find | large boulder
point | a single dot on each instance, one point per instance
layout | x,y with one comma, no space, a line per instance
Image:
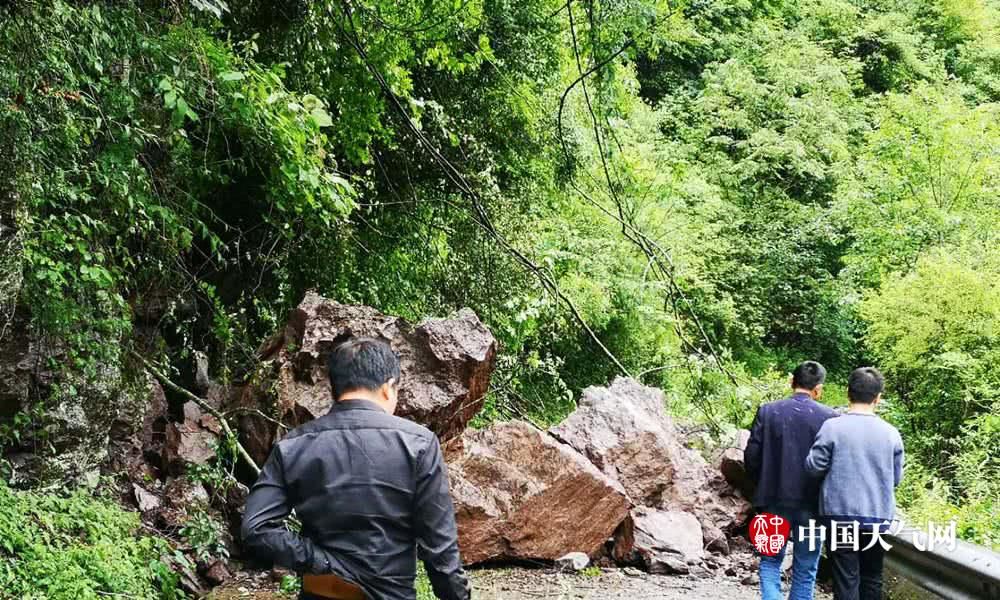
662,541
625,431
520,494
446,368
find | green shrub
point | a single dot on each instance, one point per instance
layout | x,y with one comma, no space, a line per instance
205,536
424,589
76,547
933,332
924,497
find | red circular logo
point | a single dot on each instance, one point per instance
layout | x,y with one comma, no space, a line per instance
769,533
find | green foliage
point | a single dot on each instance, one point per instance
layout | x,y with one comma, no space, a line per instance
134,124
54,547
927,176
204,534
290,585
925,497
713,190
424,589
934,332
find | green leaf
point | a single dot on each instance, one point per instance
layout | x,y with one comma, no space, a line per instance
232,76
321,117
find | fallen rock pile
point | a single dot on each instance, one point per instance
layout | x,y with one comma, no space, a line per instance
514,501
614,482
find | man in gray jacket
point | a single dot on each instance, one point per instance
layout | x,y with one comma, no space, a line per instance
860,458
370,489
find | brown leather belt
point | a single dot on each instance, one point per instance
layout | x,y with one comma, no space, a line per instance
331,586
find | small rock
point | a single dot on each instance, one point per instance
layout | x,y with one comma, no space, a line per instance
188,579
181,492
731,571
201,378
633,572
715,540
147,501
667,563
218,573
700,571
572,562
751,579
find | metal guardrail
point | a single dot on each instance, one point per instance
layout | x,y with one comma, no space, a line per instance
969,572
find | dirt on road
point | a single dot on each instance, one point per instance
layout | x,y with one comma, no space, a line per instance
535,584
611,584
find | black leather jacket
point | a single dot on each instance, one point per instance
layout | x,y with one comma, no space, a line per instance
371,492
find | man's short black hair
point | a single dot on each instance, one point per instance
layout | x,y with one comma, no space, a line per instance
808,375
864,385
361,363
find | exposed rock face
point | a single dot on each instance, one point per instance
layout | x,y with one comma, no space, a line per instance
520,494
78,412
663,541
446,368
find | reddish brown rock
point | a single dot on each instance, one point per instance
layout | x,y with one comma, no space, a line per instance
446,367
191,441
218,573
520,494
138,435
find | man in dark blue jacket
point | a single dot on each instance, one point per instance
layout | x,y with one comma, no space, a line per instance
780,438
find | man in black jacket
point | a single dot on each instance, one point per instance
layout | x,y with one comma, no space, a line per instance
370,490
780,438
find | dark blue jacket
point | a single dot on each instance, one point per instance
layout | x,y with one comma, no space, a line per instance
780,438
